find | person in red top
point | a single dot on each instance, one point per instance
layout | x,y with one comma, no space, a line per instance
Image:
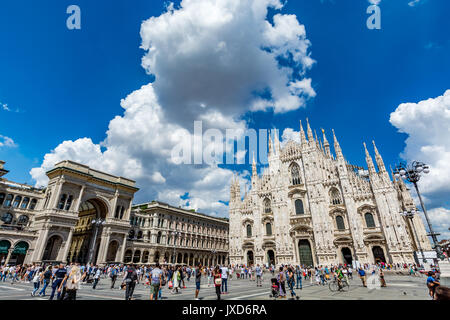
217,280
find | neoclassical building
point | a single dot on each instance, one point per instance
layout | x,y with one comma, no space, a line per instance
166,234
311,207
55,224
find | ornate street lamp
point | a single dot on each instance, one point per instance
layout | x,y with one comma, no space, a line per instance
412,173
97,223
175,234
410,215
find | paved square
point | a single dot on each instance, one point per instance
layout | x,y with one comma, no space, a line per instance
399,287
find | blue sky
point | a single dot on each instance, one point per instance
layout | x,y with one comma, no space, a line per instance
62,85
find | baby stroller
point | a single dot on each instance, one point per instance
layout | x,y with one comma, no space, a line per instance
275,288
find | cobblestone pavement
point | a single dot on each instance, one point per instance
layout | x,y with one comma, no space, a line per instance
399,287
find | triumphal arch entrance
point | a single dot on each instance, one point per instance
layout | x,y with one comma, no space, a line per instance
84,216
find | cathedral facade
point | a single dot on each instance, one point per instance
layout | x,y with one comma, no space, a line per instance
310,207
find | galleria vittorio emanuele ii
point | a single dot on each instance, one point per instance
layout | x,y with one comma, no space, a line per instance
312,207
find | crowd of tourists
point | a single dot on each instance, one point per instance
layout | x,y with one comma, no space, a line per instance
62,281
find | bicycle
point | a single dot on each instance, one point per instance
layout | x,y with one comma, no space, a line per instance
334,285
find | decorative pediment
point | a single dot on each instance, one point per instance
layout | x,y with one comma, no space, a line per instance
337,210
247,221
366,207
374,238
248,244
269,244
301,228
340,240
296,190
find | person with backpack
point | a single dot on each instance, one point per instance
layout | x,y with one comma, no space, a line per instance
129,280
97,273
156,282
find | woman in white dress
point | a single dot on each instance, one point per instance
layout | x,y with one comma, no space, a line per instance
72,283
176,280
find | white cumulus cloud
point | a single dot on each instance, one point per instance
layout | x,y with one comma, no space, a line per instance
211,60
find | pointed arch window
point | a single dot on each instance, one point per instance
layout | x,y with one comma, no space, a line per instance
267,206
370,222
340,223
335,196
249,231
295,174
299,209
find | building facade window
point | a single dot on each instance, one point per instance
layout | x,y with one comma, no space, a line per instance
8,201
295,174
299,207
7,218
335,196
267,206
249,231
17,201
340,223
33,204
62,201
268,229
2,198
25,202
370,222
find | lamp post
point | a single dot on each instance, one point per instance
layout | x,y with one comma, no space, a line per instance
412,173
410,215
175,234
97,223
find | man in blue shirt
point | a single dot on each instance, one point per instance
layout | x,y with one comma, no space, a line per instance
58,277
362,276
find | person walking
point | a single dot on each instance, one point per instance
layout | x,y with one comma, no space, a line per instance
362,276
129,280
176,280
258,272
36,281
156,276
291,282
71,284
224,273
382,280
282,282
46,277
97,274
198,278
217,280
58,277
113,275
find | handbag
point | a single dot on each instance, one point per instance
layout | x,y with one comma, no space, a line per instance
170,284
218,281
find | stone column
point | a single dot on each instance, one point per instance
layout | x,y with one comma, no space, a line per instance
122,251
67,246
103,249
10,251
40,245
80,196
